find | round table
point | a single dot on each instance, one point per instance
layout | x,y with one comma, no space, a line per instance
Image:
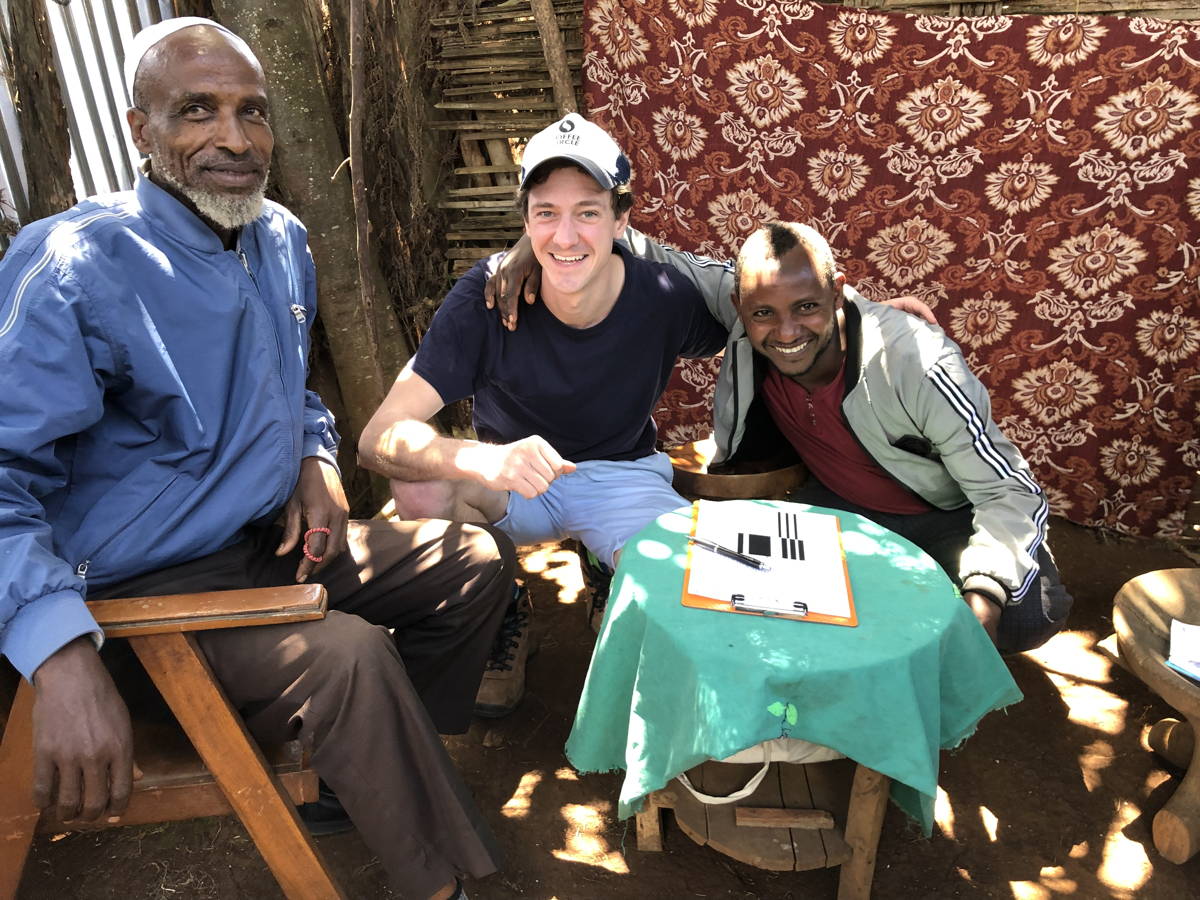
670,686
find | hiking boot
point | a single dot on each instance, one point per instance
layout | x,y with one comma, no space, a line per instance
503,683
597,577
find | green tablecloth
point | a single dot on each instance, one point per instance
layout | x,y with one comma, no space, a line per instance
671,686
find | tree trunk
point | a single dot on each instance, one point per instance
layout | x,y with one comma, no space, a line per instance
41,116
307,154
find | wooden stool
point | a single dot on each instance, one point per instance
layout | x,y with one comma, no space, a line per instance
788,824
1142,614
767,480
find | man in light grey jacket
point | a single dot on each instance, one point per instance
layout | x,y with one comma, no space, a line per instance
891,423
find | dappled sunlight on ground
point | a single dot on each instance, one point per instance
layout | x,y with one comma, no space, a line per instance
584,839
989,820
517,806
1074,653
1096,757
1052,882
1081,675
943,813
1083,678
559,567
1125,867
1088,697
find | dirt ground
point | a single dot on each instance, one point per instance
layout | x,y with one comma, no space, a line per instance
1053,797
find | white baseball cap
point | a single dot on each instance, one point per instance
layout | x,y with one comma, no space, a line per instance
575,138
152,34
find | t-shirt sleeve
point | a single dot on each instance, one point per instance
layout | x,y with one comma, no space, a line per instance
713,278
705,336
451,352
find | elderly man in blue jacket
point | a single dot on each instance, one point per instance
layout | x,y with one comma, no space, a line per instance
154,424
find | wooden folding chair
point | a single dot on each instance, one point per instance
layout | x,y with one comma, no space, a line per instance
235,775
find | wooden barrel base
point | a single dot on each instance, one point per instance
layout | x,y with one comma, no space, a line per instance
800,789
770,479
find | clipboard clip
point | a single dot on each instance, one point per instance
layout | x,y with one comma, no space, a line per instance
739,602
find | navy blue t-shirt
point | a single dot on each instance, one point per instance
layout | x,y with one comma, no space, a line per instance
588,391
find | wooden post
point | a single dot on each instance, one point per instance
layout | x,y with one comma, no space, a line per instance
358,183
649,825
556,56
864,821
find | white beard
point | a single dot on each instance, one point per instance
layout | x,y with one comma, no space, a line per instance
229,211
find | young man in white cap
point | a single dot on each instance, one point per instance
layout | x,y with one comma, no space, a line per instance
566,445
155,425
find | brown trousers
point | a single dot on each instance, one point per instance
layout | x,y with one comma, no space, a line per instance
372,703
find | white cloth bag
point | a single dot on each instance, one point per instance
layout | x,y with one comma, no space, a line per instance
782,749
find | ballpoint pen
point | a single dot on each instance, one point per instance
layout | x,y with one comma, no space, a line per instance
745,560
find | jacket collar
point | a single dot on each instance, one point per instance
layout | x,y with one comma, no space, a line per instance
853,344
169,215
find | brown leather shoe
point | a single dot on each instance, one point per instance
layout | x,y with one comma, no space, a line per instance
503,683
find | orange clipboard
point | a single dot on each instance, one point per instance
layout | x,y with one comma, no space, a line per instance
698,602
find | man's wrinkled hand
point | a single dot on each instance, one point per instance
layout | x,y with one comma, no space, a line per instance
986,610
914,307
527,466
518,274
317,502
82,740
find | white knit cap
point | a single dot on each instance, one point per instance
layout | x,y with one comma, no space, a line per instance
152,34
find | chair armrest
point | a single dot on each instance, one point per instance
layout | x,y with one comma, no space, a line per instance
128,617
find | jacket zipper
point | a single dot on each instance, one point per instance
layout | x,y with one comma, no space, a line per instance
736,405
241,255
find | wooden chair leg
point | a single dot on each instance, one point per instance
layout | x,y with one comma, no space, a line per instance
186,681
18,815
649,825
864,821
1176,827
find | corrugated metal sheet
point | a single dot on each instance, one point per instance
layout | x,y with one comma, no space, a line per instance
89,37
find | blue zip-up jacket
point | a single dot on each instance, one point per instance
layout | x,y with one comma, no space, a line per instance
152,402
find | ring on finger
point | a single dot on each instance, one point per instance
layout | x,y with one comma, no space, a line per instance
308,554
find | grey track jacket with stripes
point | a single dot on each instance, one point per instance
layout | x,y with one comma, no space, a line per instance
904,378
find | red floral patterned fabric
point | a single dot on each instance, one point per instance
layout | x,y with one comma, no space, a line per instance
1034,179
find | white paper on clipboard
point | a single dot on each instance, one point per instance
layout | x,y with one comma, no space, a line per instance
803,549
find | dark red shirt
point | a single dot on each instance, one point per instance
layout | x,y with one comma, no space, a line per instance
813,423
